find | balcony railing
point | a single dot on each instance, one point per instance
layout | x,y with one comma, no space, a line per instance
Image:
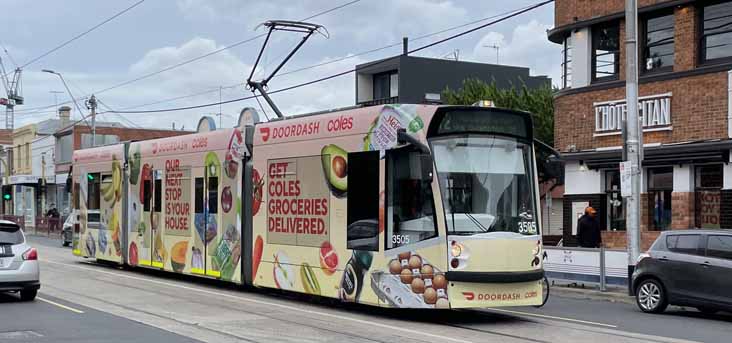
382,101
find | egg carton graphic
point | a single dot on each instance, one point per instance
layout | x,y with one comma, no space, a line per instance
390,288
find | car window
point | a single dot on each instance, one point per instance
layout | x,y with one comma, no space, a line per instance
720,247
10,234
683,244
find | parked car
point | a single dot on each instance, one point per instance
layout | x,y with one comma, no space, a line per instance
67,231
686,268
19,271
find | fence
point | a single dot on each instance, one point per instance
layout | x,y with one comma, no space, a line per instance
599,266
48,226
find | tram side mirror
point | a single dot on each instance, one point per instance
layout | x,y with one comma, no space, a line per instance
425,157
68,184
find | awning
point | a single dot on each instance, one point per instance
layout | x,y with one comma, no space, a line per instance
663,154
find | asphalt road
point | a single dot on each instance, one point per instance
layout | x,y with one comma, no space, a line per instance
210,311
49,319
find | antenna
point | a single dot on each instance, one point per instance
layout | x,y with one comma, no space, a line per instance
281,25
496,47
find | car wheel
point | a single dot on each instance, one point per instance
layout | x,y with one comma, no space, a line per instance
707,310
28,294
66,244
650,296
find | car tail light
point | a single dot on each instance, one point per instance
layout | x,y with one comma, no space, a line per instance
642,256
30,255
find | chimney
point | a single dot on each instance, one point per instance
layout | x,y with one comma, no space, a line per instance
405,46
64,113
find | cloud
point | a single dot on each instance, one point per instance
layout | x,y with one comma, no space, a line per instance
528,46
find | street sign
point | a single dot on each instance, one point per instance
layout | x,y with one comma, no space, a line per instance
625,172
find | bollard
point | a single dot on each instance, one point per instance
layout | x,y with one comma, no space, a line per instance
603,287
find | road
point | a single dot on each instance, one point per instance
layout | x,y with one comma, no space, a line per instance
174,308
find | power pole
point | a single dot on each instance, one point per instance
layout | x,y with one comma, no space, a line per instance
634,134
92,105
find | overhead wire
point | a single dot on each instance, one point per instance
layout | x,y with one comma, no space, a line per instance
82,34
493,22
366,52
177,65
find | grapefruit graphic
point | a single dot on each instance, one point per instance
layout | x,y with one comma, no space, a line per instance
328,258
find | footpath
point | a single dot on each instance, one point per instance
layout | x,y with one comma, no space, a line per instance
591,291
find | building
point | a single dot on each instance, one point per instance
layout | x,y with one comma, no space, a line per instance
410,79
685,78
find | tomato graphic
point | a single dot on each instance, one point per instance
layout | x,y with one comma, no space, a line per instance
258,184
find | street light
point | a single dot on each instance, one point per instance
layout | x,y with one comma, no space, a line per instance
67,90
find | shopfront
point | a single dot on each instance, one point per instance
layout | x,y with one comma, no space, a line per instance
685,82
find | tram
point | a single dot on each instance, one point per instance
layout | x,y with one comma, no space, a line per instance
410,206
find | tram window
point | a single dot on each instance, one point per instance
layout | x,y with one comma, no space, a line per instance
93,192
410,212
147,195
363,201
199,195
158,203
213,194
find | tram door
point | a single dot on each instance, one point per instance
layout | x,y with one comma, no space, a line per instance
211,211
155,206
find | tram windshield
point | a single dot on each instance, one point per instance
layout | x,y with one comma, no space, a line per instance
487,184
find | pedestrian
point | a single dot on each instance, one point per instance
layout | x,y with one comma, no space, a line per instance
588,229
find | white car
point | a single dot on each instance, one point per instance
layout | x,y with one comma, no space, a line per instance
19,271
72,220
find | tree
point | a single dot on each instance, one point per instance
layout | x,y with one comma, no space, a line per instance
538,101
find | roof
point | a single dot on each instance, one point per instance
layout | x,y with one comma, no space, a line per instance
6,136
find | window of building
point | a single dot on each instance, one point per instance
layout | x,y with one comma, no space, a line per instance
658,44
567,62
64,149
605,52
363,200
27,156
386,85
410,210
86,140
683,244
716,35
615,202
719,247
660,187
708,195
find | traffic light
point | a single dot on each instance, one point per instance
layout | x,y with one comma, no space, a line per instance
90,176
8,193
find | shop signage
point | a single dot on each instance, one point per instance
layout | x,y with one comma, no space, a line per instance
23,179
654,112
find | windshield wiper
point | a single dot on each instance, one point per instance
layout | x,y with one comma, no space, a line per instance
477,222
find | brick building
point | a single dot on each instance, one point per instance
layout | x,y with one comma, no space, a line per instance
685,86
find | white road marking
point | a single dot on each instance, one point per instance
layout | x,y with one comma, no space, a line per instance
552,317
60,305
267,303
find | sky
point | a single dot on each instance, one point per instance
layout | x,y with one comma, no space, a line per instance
158,34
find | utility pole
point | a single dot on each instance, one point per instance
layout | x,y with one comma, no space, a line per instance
92,105
634,134
42,189
220,113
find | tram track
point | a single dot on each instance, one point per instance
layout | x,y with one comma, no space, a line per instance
227,305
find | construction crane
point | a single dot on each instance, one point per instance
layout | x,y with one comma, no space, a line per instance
14,91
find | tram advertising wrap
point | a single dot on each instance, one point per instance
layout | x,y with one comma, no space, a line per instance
394,206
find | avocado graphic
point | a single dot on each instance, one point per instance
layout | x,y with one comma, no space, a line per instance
135,166
335,168
213,164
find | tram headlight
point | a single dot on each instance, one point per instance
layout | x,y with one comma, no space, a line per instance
456,249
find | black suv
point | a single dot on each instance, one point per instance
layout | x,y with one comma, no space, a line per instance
686,268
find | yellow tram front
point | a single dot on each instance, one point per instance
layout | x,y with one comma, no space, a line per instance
484,193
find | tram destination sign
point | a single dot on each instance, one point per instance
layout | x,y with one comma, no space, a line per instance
654,112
